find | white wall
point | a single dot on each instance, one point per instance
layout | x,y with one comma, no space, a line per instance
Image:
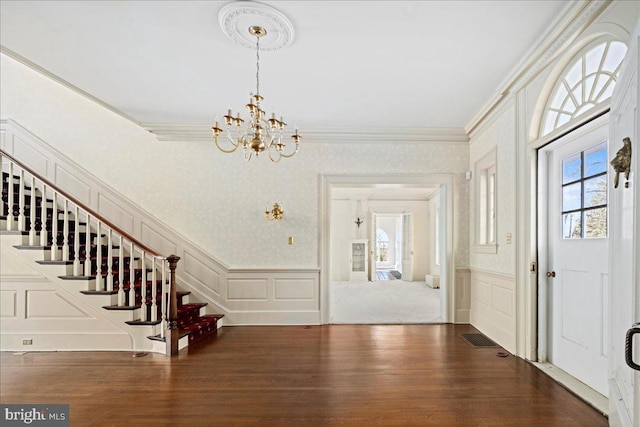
214,199
213,203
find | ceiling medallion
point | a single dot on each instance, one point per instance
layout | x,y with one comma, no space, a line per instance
236,17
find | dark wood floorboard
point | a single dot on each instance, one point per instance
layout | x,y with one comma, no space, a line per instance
352,375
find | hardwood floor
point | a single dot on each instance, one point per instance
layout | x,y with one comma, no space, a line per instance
355,375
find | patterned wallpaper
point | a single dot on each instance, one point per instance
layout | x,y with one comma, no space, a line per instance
217,200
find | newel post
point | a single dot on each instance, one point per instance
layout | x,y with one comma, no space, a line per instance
173,334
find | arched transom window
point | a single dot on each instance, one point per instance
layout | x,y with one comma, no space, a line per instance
586,82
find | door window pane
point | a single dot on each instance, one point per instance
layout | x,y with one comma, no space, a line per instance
571,167
571,197
595,160
595,223
584,193
572,225
595,191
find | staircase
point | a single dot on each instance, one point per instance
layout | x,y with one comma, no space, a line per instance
85,251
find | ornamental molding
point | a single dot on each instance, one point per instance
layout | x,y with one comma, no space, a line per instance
236,18
202,133
571,23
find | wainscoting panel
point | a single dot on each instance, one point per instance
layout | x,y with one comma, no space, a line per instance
113,212
295,289
247,290
463,295
47,304
201,272
8,304
493,306
37,161
156,240
70,183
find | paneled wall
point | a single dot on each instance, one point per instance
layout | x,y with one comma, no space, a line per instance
245,296
493,306
37,314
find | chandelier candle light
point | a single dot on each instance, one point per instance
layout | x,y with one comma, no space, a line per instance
260,134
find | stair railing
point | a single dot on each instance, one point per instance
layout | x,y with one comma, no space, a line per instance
121,248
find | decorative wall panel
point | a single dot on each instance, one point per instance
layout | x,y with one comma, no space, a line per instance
72,184
295,289
8,304
48,304
246,289
156,240
113,212
201,272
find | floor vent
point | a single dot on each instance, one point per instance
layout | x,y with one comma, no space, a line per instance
479,340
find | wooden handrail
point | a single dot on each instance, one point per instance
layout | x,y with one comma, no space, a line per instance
87,209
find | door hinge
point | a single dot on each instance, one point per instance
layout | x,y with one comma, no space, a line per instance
533,267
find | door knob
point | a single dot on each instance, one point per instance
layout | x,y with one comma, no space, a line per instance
551,274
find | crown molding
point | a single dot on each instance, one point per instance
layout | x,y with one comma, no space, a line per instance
573,20
383,135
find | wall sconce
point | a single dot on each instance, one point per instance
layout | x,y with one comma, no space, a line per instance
274,214
359,221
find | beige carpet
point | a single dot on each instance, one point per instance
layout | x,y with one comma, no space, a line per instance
393,301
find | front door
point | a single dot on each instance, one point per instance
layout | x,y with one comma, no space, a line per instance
577,270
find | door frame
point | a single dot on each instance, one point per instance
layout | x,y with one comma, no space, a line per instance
446,184
542,226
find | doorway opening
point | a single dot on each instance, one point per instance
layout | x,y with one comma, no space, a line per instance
396,228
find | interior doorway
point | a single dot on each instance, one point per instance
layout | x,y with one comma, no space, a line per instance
395,201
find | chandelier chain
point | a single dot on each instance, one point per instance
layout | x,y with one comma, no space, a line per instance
257,65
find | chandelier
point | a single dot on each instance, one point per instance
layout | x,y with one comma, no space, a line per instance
260,134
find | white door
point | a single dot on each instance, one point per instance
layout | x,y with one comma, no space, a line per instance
371,236
577,277
407,247
624,256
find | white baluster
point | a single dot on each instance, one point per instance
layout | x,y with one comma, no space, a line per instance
10,201
132,277
65,231
54,228
99,286
165,299
43,217
87,247
21,201
32,213
143,286
109,260
120,274
154,291
76,242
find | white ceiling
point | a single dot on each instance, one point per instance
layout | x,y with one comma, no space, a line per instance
352,65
